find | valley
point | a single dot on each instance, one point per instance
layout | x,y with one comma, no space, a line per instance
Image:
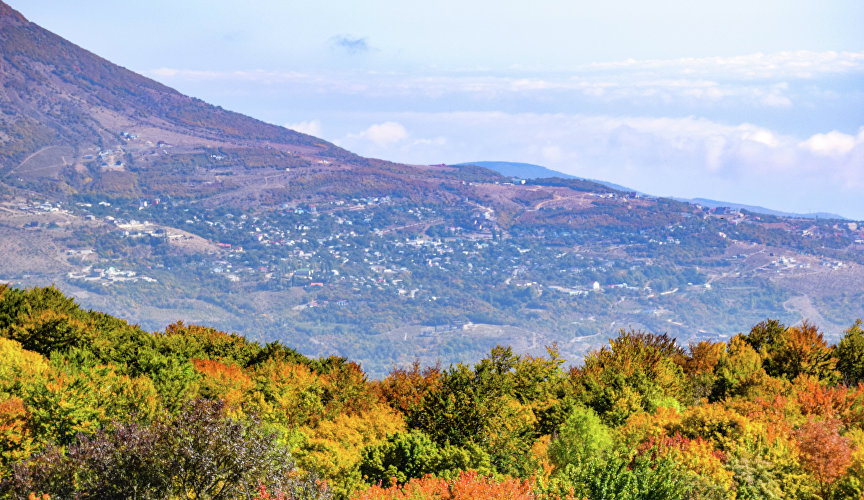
388,280
157,207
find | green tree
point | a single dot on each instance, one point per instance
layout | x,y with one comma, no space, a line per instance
637,372
791,351
850,354
581,437
413,455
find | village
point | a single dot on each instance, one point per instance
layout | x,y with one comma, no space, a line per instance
357,249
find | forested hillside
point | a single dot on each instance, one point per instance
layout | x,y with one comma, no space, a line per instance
93,407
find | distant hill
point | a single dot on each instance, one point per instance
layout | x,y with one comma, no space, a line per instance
62,105
705,202
523,170
531,171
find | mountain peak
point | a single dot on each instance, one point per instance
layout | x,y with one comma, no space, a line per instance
9,14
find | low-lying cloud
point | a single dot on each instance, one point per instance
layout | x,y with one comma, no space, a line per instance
781,130
312,127
660,155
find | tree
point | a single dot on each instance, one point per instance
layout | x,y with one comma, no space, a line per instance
789,352
699,366
850,354
403,389
408,455
637,372
824,452
622,476
738,372
581,437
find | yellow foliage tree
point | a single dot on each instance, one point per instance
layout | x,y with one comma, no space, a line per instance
334,447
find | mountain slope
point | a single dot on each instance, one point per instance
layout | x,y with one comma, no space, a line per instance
60,103
523,170
531,171
759,210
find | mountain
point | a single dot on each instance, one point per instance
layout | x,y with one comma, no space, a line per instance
759,210
531,171
155,206
522,170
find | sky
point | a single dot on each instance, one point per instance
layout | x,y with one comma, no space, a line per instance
749,102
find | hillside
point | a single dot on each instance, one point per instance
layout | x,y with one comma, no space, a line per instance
143,202
93,407
531,171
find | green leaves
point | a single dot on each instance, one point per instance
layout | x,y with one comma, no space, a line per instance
582,437
413,455
850,354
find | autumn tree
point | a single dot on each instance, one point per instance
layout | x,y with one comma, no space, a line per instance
824,452
582,437
637,372
791,351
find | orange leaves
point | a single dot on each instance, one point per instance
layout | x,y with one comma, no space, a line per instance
722,426
644,426
803,350
841,402
403,389
824,452
16,441
467,486
226,382
703,357
788,352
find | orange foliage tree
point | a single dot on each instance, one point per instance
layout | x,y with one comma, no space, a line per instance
467,486
824,452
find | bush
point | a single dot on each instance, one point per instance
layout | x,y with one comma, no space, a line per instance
201,453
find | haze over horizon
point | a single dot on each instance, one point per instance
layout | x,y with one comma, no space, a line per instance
749,103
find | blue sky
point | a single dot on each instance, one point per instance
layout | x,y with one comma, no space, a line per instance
751,102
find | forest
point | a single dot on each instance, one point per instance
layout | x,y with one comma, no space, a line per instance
94,407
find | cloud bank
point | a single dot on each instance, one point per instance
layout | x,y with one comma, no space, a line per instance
742,163
783,130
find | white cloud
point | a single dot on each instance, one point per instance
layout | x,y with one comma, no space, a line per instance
779,65
796,92
666,156
246,76
833,143
601,120
312,127
759,79
436,141
383,134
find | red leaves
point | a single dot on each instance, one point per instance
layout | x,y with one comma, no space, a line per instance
824,452
403,389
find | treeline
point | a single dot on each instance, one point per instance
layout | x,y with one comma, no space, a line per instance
92,407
